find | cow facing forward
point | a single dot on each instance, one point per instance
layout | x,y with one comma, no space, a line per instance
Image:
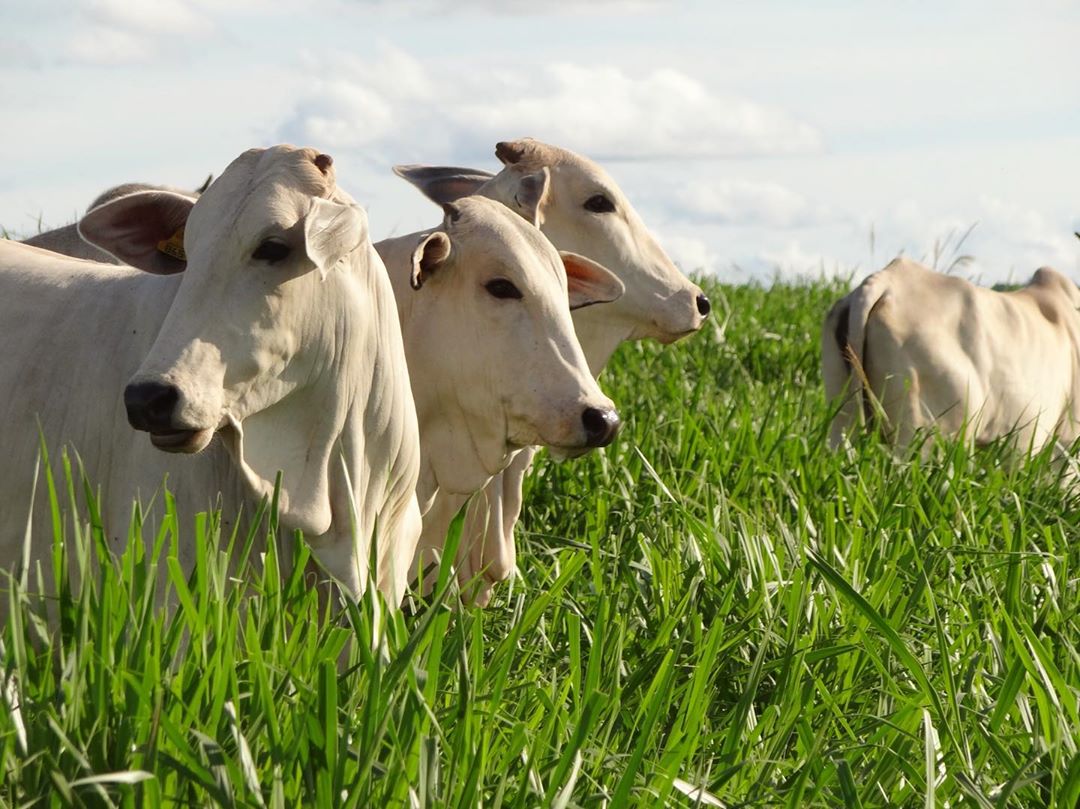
938,351
492,353
258,336
583,210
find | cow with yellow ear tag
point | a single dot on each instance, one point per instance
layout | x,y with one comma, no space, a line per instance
266,345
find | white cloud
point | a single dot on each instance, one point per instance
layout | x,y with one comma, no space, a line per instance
792,262
690,253
120,32
518,7
742,202
147,16
989,241
604,111
993,240
745,261
17,52
101,45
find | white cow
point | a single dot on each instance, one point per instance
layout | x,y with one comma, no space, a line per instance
66,240
939,351
583,211
275,349
492,353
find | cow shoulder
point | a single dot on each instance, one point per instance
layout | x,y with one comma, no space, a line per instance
1056,296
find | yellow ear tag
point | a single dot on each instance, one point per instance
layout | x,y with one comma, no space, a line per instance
174,245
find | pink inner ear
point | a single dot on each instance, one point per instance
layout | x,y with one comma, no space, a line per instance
578,274
133,228
588,283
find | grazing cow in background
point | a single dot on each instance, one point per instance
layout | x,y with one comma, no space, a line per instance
492,354
583,210
258,336
66,240
938,351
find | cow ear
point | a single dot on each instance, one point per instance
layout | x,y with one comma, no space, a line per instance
531,194
432,251
442,184
144,229
589,282
332,230
512,151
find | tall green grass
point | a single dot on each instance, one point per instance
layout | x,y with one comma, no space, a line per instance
713,611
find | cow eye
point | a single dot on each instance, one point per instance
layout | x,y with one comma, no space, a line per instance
501,288
272,251
599,204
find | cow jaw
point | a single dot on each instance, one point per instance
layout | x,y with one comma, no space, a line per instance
186,442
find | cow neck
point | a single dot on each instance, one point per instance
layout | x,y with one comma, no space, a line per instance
599,337
371,487
456,457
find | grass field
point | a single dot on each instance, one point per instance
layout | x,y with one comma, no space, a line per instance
715,611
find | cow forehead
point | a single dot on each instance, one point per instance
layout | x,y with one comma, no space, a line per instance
577,167
569,168
492,231
260,186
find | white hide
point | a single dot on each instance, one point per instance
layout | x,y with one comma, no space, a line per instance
490,374
659,301
293,366
938,351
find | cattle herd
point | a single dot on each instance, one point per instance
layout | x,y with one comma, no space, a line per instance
249,338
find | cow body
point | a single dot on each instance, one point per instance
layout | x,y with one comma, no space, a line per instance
291,364
76,332
67,241
583,211
938,351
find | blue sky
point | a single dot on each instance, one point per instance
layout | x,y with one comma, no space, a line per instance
755,138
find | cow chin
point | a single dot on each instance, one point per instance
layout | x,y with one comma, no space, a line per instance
186,442
667,337
561,454
558,450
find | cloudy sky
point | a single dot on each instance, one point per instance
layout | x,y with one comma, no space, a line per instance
755,138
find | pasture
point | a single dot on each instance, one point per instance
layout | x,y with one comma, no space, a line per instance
713,611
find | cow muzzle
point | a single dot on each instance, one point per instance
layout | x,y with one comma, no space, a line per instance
601,426
151,407
680,316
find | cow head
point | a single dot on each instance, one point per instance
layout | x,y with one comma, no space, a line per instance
585,211
491,346
275,326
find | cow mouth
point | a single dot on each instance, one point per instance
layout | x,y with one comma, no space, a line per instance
669,337
181,441
558,451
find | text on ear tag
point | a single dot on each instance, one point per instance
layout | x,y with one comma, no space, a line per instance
174,245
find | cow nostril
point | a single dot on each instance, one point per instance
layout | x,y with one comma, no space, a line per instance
150,405
600,426
703,305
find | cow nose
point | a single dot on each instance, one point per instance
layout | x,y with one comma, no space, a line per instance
703,305
600,426
150,405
